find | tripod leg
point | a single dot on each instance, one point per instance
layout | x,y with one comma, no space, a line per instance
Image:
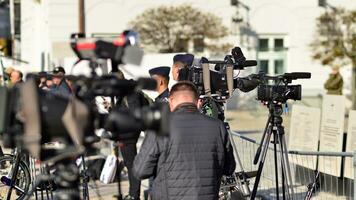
276,162
239,163
262,161
284,181
259,149
85,179
287,165
118,171
235,149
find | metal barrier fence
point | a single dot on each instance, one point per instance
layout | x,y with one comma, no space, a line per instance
303,168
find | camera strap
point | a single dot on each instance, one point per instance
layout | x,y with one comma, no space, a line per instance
206,79
230,78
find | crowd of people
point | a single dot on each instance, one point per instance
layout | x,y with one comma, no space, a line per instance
187,164
53,81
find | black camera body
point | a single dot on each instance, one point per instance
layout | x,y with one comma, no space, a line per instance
218,82
218,79
279,93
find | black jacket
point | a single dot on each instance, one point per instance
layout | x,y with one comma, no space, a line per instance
62,89
132,102
190,162
163,97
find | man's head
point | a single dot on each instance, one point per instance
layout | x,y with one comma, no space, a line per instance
43,77
58,74
9,70
335,69
180,61
161,75
49,81
182,92
16,76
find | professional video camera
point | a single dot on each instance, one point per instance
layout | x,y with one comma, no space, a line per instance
280,91
122,49
219,82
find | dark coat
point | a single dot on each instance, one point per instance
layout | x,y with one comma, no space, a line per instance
334,84
188,164
133,102
163,97
62,89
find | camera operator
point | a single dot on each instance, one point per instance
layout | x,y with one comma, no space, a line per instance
181,61
190,162
128,146
61,86
161,75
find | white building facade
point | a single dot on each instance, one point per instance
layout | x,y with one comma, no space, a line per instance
276,32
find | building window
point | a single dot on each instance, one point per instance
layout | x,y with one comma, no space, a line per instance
272,53
263,44
278,44
198,44
263,66
278,66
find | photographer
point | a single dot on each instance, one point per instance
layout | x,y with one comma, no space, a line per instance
128,146
190,162
61,86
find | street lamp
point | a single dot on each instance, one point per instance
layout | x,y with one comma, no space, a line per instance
325,4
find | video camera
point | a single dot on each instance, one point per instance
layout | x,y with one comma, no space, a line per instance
219,82
122,49
280,91
31,117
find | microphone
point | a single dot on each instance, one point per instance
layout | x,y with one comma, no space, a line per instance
247,63
246,84
297,75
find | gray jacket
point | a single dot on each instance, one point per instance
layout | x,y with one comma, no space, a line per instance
190,162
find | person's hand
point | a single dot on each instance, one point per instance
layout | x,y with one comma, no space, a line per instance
200,103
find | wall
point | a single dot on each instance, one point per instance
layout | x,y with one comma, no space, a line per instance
294,18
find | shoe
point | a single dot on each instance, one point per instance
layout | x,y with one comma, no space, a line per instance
129,197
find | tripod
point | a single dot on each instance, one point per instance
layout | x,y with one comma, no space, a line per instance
312,186
275,129
238,179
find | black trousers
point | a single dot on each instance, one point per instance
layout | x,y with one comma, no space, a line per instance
129,151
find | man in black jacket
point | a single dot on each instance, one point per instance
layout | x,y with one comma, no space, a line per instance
60,85
128,148
190,162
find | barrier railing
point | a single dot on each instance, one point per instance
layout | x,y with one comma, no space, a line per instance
304,168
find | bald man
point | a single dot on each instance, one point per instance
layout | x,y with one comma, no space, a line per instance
190,162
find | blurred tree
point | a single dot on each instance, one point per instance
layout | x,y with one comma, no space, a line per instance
335,41
169,29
